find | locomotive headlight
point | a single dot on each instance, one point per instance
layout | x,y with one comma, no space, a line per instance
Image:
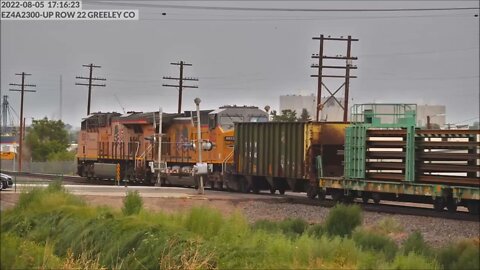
207,146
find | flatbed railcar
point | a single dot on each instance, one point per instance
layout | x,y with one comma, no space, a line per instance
387,157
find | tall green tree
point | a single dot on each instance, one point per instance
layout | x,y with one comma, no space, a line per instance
305,116
48,140
286,116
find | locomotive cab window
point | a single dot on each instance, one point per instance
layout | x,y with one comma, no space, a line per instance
258,119
227,122
212,121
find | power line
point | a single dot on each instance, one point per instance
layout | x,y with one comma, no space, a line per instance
126,3
468,120
298,19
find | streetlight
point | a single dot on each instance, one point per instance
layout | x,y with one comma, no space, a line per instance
199,147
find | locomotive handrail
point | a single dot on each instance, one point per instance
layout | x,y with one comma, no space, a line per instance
224,162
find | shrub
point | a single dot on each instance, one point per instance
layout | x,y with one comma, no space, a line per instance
293,226
461,255
389,225
132,203
412,261
375,242
415,243
266,225
371,261
316,230
343,219
204,221
56,186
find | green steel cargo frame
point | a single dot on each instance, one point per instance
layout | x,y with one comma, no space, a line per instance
403,116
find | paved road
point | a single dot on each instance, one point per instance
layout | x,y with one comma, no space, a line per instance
147,191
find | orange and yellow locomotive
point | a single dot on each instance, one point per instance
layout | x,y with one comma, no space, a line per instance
116,146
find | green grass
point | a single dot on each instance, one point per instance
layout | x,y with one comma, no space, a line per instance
60,230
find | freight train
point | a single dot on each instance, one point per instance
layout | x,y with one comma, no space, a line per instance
380,154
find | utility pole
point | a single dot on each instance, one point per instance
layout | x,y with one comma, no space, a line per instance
160,120
61,98
90,83
22,91
199,147
180,80
4,113
321,67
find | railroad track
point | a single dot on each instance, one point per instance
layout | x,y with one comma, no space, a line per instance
293,199
391,209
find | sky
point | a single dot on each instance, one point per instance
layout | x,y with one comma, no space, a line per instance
245,53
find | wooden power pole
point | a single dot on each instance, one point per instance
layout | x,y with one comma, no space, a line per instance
22,91
90,83
180,85
321,66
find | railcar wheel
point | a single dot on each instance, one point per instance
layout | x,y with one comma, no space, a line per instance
365,198
272,191
473,208
337,195
376,198
244,187
451,205
348,199
321,195
1,185
439,204
281,191
311,191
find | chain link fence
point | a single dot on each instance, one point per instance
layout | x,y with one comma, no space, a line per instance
50,167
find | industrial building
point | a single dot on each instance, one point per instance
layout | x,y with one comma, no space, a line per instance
330,112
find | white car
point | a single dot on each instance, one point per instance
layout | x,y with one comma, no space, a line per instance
6,181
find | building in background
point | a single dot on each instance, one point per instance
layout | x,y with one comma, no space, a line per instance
437,114
331,111
297,103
